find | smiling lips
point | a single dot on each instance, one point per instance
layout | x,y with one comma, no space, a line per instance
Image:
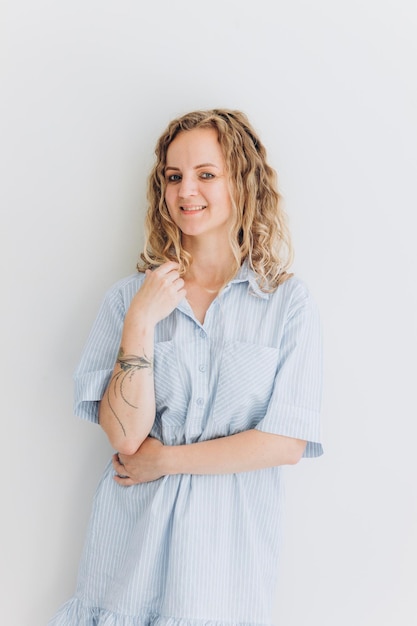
192,208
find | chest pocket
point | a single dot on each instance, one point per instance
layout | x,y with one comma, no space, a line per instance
245,384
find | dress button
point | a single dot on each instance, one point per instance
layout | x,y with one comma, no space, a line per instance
202,334
202,368
200,401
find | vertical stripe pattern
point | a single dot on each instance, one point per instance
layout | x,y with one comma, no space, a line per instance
189,549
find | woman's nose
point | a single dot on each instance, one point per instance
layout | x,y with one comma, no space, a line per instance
188,186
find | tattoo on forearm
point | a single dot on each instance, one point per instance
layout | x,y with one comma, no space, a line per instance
129,365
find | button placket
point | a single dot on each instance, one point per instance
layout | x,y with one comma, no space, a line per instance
199,397
201,387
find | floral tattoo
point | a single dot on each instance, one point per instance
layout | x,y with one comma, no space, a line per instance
129,365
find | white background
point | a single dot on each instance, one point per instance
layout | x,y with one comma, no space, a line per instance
87,87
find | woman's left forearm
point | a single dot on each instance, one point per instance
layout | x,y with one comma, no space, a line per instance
243,452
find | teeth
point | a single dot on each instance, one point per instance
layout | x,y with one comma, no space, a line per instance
193,208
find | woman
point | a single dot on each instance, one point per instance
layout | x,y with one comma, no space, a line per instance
204,370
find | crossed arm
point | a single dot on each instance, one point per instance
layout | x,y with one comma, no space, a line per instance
127,409
242,452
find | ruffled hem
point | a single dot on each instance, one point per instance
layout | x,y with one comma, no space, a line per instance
74,613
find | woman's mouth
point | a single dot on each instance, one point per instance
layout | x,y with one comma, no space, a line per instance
189,209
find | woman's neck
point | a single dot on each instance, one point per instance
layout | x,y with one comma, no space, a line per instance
212,262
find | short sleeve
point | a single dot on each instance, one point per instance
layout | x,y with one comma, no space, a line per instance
295,403
99,355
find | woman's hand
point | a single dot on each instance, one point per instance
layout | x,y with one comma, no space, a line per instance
142,467
160,293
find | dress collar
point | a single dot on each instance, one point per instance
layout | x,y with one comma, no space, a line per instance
246,274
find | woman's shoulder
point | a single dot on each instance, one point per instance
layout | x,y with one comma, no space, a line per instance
294,286
124,288
291,286
131,280
291,292
298,296
295,292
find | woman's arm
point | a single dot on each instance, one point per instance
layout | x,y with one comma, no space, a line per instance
243,452
127,409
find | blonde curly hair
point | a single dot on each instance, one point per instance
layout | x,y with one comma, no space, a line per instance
260,233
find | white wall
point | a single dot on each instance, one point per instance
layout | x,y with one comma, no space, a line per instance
87,86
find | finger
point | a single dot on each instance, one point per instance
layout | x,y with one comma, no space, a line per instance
171,278
167,267
118,467
179,283
124,482
165,277
118,457
121,473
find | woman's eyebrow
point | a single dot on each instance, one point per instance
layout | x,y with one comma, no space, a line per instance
196,167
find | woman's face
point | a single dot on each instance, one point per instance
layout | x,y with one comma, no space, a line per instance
197,192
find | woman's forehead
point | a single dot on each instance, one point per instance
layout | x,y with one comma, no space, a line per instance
196,147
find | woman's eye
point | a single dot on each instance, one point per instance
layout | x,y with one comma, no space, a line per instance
174,178
207,175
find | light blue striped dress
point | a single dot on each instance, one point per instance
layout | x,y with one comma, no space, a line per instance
187,550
